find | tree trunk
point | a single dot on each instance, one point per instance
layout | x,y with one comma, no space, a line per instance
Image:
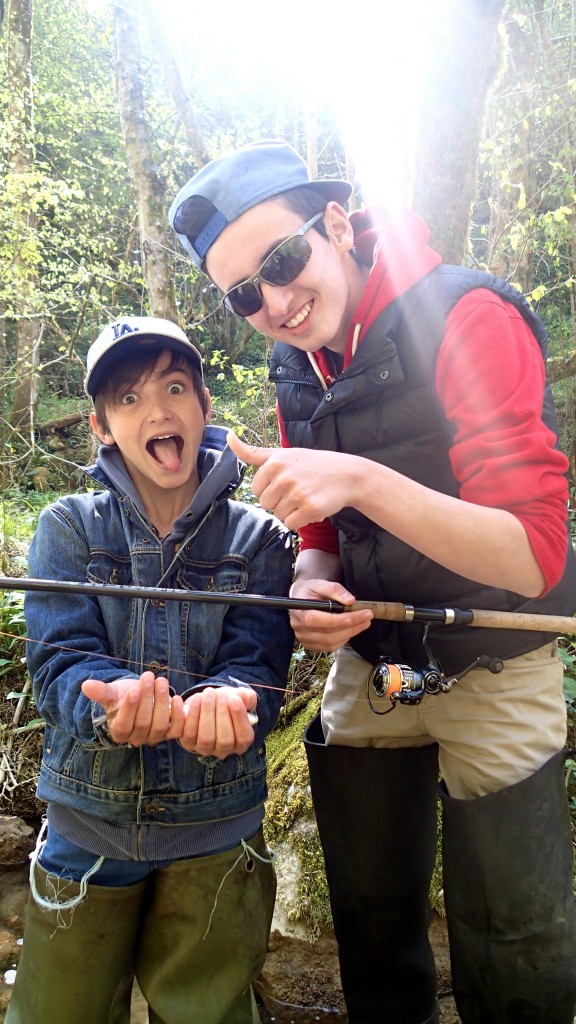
165,47
514,186
150,194
311,138
20,170
463,55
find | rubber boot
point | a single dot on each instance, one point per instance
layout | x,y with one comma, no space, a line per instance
77,966
376,811
509,902
205,936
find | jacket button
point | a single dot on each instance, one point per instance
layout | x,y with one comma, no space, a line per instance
385,374
279,370
329,396
157,668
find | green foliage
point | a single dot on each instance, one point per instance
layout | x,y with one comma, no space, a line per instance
18,518
524,220
12,632
243,398
20,727
79,190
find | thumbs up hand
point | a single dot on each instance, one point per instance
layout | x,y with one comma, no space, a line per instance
299,485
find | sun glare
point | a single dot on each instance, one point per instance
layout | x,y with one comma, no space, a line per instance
361,61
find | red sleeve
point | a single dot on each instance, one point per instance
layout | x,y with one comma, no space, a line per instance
320,536
490,378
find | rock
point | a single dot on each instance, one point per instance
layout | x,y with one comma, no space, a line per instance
17,840
41,479
9,949
287,866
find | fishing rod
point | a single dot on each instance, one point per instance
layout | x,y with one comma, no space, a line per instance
392,611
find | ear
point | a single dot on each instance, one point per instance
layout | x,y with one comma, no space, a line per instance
102,436
208,413
338,227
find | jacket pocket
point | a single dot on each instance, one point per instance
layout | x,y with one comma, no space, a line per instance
119,614
202,623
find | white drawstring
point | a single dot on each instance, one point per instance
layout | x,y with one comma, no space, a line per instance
355,337
249,853
55,904
317,370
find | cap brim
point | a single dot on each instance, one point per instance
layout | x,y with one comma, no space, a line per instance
333,189
133,346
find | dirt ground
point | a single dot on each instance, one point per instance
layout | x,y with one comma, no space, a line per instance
300,981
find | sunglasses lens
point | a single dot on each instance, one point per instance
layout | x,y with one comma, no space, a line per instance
289,260
245,300
281,268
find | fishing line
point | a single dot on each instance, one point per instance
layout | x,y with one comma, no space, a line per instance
130,661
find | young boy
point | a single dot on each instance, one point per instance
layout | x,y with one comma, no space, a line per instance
420,465
153,864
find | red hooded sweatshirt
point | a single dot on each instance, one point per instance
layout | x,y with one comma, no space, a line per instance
489,378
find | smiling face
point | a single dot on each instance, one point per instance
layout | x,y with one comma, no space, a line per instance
156,418
316,309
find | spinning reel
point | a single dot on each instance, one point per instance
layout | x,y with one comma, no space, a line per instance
401,684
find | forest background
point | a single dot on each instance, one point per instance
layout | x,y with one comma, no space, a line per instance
464,109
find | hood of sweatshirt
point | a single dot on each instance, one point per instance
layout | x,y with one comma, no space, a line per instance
397,250
219,469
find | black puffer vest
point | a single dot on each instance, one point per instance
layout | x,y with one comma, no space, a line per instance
384,407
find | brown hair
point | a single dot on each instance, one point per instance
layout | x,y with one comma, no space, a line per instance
307,202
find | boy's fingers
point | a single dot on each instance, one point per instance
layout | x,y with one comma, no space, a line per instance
192,710
224,738
145,708
248,697
101,693
243,722
249,453
177,718
121,723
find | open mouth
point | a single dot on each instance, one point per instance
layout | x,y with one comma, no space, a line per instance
166,449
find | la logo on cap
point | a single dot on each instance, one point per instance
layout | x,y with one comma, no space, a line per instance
120,329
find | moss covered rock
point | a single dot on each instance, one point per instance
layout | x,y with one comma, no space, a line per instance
302,905
302,902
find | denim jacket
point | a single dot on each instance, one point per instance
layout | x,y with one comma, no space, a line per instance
103,537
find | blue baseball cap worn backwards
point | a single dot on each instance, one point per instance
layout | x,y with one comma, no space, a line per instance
225,188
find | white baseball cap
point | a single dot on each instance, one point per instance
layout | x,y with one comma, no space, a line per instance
129,335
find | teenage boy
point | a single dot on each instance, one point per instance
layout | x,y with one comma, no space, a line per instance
153,864
420,465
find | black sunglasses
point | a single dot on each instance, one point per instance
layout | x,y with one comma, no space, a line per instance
281,267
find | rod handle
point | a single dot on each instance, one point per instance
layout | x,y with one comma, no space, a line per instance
392,611
485,618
